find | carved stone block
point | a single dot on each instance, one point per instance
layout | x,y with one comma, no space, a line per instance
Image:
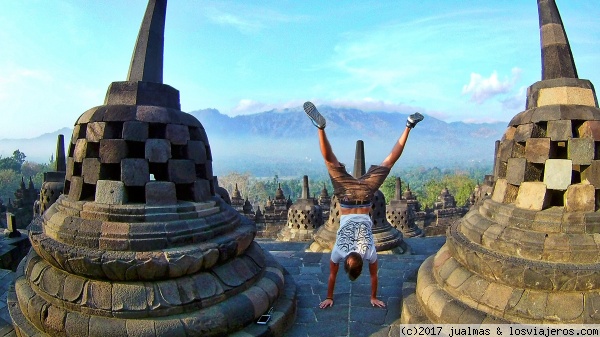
557,174
181,171
90,170
110,192
505,150
196,150
112,151
75,189
559,130
80,150
526,131
160,193
202,190
590,129
591,174
134,172
95,131
135,131
532,195
158,150
580,198
537,150
581,150
177,134
504,192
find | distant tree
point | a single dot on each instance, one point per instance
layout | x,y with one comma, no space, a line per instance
9,183
13,163
230,180
388,188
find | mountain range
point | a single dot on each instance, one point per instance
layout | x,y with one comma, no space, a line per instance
285,143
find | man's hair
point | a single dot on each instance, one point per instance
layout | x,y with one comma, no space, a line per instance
353,265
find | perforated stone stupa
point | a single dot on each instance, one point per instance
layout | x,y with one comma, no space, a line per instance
138,244
304,217
530,253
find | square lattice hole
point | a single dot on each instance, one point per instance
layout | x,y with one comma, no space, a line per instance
556,197
195,133
157,130
561,150
92,150
160,171
201,171
178,151
135,149
88,192
110,172
77,169
114,130
185,192
135,194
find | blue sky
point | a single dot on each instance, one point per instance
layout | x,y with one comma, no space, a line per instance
454,60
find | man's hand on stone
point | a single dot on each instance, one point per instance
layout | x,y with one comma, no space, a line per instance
377,303
327,303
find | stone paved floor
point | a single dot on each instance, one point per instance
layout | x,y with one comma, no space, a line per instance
351,315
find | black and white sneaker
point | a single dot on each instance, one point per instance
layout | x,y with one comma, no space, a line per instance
315,116
413,119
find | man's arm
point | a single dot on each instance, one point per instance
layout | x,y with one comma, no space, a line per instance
333,269
373,272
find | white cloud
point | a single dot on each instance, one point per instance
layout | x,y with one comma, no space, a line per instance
482,89
515,102
248,106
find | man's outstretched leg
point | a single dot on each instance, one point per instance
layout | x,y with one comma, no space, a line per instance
391,159
319,121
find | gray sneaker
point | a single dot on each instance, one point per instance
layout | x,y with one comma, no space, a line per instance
315,117
413,119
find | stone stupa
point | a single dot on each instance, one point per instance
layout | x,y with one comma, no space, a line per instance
139,244
304,217
531,252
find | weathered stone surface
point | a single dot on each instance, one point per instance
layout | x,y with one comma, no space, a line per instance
135,131
196,150
590,129
532,196
557,174
567,96
80,150
177,134
90,170
515,172
161,193
134,172
537,150
112,151
158,150
591,174
580,198
181,171
505,150
202,190
559,130
75,188
96,131
110,192
526,131
504,192
581,151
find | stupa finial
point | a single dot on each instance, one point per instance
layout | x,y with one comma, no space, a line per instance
147,59
557,58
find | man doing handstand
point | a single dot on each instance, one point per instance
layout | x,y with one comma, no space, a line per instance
354,240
